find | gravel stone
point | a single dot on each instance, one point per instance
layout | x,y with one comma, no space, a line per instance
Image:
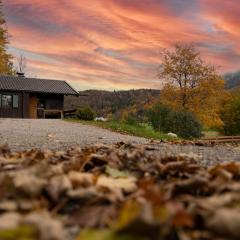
55,134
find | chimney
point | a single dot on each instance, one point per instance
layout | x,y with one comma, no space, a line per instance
20,74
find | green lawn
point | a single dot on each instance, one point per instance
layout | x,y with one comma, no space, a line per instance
140,130
211,132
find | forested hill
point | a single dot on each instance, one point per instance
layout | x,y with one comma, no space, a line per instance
232,80
105,102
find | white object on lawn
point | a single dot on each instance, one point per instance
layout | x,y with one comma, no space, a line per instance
101,119
172,135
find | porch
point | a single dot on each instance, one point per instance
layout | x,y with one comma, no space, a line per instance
46,106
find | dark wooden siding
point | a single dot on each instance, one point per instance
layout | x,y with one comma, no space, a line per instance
12,112
27,108
25,103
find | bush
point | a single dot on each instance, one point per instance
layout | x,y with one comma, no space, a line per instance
85,114
133,116
165,120
159,116
130,119
185,125
231,115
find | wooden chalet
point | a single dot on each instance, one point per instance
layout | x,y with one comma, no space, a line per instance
22,97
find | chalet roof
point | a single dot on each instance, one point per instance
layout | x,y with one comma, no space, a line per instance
22,84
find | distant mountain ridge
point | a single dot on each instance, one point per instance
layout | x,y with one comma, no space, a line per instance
106,102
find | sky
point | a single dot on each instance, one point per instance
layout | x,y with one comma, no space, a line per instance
116,44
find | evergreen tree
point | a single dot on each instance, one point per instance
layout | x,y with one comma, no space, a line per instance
6,65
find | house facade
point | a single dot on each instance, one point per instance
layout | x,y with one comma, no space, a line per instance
22,97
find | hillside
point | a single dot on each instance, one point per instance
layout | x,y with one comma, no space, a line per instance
232,80
106,102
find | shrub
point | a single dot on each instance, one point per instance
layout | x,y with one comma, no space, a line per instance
165,120
159,116
133,116
185,125
231,115
85,114
130,119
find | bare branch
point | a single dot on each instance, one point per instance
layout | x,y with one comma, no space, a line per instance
21,64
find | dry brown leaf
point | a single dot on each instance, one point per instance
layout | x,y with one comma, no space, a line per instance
172,197
49,228
28,184
58,185
9,220
81,179
225,223
182,219
83,193
194,186
128,185
93,216
215,202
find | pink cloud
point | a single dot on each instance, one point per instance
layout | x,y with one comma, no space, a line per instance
116,43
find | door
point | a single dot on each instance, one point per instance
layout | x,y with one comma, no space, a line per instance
33,106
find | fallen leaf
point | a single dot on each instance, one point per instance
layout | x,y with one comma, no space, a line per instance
128,185
83,193
105,235
93,216
115,173
49,228
81,179
21,232
28,184
225,222
9,220
58,185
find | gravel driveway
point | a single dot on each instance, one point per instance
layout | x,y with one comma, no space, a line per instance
23,134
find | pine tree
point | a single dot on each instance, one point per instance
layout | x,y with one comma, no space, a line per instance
6,65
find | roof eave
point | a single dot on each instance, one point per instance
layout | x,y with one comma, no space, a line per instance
40,92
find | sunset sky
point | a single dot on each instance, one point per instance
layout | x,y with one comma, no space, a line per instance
115,44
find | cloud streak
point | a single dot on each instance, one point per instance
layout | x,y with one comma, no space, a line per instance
115,44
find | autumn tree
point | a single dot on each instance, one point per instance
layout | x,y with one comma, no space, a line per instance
191,84
231,114
6,65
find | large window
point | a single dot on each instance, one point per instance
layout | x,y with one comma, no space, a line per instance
6,101
9,101
15,101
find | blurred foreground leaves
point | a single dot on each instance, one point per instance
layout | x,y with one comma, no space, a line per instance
119,192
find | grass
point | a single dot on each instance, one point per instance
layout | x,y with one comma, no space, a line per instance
208,132
139,130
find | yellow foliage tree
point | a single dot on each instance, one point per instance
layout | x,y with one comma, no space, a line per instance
192,85
6,65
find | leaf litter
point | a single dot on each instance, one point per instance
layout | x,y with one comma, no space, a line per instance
118,192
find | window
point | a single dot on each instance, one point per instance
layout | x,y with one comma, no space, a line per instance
6,101
15,101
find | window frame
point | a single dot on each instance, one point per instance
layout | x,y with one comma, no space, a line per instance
10,106
15,100
16,105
